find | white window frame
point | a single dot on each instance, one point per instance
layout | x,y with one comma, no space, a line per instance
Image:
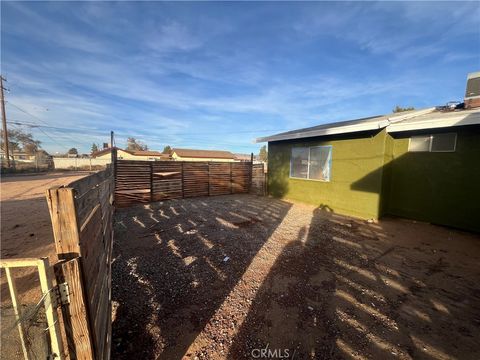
308,162
431,142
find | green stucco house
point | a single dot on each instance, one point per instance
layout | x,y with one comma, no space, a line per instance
422,164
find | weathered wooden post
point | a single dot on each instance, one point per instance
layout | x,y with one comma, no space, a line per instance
231,179
151,182
251,173
66,232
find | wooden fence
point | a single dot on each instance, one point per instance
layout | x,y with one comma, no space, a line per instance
82,220
146,181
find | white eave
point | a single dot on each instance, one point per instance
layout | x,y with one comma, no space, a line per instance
437,121
366,125
322,132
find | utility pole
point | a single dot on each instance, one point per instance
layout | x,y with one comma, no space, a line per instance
113,150
4,122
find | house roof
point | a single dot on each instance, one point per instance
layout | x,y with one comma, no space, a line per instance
132,152
146,153
15,152
104,151
245,157
211,154
429,118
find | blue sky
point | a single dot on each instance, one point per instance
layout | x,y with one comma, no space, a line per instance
216,75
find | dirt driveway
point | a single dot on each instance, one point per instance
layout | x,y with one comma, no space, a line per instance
26,228
225,277
26,231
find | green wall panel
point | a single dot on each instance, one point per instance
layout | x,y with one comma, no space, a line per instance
373,174
356,174
438,187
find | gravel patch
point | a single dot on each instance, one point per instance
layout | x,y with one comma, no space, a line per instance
224,277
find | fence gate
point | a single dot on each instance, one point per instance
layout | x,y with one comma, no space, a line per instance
82,218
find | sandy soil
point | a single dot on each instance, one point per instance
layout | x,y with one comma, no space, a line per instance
26,231
224,277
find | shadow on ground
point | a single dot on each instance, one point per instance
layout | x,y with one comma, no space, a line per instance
174,264
225,277
347,290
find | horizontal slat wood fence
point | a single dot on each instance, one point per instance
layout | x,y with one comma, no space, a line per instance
82,219
145,181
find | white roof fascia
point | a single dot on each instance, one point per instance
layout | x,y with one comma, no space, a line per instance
329,131
460,120
371,125
397,118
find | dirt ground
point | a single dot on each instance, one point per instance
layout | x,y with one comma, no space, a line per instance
225,277
25,221
26,231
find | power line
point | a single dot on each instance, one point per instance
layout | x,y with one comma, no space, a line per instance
126,134
37,125
15,125
189,139
26,112
196,133
55,141
192,136
193,139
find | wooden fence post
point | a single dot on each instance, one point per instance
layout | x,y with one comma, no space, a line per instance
61,204
151,181
114,162
77,326
208,164
251,174
265,181
183,182
231,179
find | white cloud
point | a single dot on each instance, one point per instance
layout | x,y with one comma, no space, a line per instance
166,79
172,36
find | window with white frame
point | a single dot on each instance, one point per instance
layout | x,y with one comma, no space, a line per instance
433,143
312,163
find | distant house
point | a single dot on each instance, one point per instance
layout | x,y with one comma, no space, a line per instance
243,157
248,157
421,164
202,155
20,156
131,155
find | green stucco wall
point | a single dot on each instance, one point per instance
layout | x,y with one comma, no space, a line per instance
356,174
438,187
373,174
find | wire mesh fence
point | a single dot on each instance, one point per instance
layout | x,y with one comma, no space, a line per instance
28,311
32,320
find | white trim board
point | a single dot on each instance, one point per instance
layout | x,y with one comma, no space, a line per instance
460,120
